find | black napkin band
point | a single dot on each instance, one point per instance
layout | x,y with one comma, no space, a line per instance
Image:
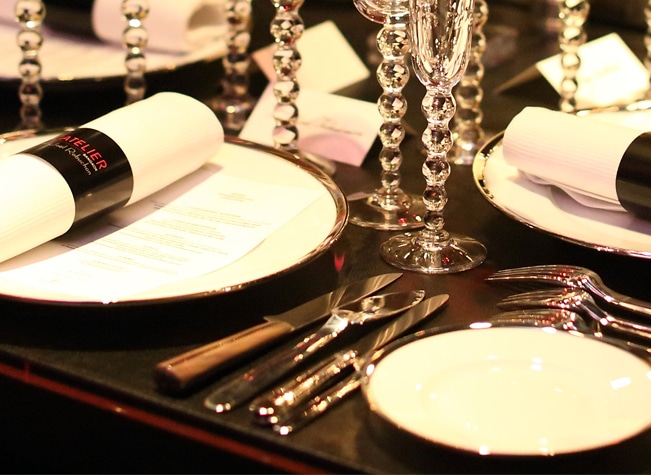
71,16
633,181
95,168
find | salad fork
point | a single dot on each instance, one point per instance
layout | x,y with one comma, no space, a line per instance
576,277
578,301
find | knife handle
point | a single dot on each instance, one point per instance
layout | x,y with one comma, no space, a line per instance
273,405
302,415
185,371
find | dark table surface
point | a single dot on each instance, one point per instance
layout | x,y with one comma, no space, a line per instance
76,386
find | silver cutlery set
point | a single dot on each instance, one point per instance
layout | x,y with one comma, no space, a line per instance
283,395
291,403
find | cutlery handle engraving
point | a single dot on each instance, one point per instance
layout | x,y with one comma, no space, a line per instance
271,406
300,416
257,379
186,371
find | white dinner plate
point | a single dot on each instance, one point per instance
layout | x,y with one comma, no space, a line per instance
522,391
72,58
551,210
303,238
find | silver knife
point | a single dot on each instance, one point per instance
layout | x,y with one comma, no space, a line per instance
246,386
188,370
289,406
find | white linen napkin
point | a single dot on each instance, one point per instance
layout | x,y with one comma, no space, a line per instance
161,139
175,26
581,155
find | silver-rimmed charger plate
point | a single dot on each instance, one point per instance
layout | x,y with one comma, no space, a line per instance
551,210
302,239
510,390
69,58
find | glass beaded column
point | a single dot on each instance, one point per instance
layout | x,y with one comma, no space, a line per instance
647,41
134,38
30,14
234,104
286,27
573,14
468,133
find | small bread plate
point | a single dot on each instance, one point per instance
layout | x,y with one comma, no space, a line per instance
549,209
510,390
300,239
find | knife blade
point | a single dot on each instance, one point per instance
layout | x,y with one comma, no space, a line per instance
276,405
188,370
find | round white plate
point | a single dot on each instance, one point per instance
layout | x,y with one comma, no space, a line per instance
512,391
303,238
551,210
67,58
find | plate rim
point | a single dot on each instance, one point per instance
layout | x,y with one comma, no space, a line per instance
335,192
371,364
478,167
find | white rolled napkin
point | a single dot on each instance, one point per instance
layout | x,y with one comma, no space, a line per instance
107,163
600,164
175,26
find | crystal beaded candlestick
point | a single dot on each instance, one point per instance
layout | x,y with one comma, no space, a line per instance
468,133
30,15
573,14
441,32
234,103
389,207
135,39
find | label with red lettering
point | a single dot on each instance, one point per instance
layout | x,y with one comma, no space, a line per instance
95,168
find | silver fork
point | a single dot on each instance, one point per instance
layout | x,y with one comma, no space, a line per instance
578,301
563,275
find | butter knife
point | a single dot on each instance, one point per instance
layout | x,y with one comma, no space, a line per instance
188,370
276,405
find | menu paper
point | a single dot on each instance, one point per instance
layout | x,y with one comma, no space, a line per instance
202,223
162,138
598,163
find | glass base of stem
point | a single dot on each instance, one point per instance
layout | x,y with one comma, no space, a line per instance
417,252
388,211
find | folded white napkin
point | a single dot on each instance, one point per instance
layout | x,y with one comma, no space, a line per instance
597,161
175,26
109,162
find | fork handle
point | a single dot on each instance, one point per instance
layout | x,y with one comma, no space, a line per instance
621,301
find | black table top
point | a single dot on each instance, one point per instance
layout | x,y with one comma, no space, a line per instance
77,387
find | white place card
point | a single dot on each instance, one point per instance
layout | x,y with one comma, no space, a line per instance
329,63
610,73
330,126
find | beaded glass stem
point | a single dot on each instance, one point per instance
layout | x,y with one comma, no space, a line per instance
389,207
286,27
468,133
234,104
647,41
30,14
441,33
573,14
134,38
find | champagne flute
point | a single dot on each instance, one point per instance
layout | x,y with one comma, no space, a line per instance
441,32
389,207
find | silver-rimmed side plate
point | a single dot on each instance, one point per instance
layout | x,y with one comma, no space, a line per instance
306,236
551,210
69,59
510,391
